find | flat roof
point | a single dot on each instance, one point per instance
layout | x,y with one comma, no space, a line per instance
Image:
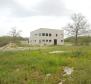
48,29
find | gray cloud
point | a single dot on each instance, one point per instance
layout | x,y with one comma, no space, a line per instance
21,12
5,3
51,7
44,8
15,9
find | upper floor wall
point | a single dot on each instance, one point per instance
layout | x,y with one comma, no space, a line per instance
48,33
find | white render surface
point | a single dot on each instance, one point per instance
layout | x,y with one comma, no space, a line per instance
45,36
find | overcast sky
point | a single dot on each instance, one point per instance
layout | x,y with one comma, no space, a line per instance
29,15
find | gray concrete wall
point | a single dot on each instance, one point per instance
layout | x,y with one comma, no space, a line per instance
36,39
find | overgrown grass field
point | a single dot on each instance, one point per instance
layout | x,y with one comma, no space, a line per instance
41,67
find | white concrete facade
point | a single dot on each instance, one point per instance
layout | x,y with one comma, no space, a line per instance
45,36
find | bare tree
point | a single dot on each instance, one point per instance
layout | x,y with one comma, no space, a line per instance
79,26
14,34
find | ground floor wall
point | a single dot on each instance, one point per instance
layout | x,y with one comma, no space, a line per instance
47,42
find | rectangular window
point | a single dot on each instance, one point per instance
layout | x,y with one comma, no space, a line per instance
46,34
49,40
56,35
43,34
50,34
46,40
61,40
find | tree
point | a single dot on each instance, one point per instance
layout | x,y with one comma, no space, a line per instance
14,34
79,26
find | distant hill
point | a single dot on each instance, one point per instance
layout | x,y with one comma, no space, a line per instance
4,40
81,40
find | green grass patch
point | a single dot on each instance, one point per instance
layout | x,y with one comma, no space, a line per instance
32,66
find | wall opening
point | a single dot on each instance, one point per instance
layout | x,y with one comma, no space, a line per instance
55,41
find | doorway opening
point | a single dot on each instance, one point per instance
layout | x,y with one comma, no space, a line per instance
55,41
